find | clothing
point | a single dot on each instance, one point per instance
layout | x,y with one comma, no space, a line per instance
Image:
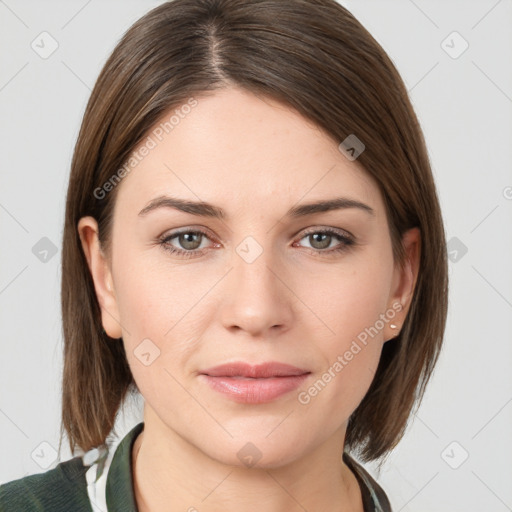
101,481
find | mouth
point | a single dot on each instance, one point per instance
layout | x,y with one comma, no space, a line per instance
252,384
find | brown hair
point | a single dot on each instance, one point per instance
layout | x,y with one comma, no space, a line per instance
314,56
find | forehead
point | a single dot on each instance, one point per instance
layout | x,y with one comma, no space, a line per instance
244,153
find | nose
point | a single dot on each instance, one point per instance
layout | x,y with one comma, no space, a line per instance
257,297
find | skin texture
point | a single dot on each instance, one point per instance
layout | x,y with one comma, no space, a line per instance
255,158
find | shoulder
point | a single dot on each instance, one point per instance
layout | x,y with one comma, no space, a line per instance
63,488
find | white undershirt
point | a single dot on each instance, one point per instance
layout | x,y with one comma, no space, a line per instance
96,487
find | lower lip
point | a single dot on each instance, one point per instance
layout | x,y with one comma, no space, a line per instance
254,391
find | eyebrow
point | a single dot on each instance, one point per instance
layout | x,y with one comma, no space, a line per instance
204,209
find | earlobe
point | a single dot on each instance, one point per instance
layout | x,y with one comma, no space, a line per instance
404,281
101,276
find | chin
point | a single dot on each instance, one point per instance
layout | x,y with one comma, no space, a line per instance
258,452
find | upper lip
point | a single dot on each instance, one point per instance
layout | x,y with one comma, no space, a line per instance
261,371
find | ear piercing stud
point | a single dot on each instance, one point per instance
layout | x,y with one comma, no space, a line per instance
393,326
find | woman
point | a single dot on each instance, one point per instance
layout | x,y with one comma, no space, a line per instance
252,241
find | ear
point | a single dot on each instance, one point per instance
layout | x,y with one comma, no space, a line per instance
404,282
101,275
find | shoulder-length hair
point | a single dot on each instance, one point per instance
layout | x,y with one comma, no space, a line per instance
315,57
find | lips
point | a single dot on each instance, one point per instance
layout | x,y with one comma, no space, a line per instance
260,371
254,384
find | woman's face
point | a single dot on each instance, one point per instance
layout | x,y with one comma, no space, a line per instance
261,284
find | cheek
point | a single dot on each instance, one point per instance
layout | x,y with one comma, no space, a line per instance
351,296
156,314
351,302
153,297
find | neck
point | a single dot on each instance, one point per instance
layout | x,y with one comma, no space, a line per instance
170,474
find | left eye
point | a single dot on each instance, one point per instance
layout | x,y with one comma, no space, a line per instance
321,240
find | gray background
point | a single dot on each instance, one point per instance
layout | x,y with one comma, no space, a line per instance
457,453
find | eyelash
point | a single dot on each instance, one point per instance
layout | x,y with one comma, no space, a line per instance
347,242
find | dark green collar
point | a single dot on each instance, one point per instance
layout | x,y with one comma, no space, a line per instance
119,488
